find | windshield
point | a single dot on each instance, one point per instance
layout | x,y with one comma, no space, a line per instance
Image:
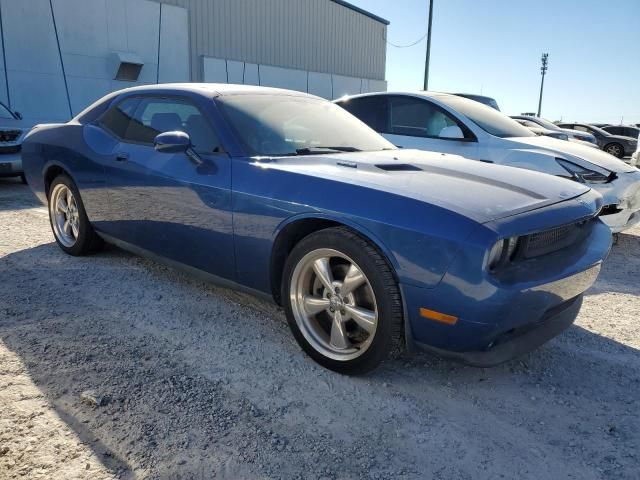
276,125
488,119
5,112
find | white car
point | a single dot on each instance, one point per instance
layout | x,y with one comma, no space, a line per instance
451,124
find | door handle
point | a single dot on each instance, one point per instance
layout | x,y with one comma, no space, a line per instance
122,157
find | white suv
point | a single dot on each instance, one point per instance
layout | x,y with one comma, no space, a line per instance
447,123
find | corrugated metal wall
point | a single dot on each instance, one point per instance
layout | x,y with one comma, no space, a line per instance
317,35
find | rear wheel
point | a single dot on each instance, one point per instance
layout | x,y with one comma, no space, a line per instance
71,228
615,149
342,302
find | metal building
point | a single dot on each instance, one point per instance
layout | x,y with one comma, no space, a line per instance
57,56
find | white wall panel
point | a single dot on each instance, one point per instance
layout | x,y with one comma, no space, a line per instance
116,27
251,74
283,78
143,29
40,97
174,45
82,26
84,91
29,36
325,85
34,71
320,85
214,70
345,85
377,86
235,72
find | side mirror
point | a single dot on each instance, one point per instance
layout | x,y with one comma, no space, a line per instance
453,131
18,114
172,142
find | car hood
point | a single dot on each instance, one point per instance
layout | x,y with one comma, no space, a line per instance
480,191
562,149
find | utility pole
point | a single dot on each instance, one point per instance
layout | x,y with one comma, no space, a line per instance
426,62
543,71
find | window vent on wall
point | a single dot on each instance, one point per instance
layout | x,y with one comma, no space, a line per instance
126,66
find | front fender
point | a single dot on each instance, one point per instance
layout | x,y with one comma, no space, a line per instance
357,227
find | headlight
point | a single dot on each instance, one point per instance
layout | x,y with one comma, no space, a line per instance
502,252
584,175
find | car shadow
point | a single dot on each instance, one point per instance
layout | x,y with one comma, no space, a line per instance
199,380
14,195
620,271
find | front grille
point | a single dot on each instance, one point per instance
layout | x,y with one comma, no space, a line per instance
548,241
7,136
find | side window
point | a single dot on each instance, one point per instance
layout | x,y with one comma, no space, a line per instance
580,128
615,130
118,117
371,110
155,115
417,118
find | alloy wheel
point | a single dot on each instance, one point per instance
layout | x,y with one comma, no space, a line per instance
65,217
614,150
333,304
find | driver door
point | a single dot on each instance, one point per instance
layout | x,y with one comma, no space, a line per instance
167,203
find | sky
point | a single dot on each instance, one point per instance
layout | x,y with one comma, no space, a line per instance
493,47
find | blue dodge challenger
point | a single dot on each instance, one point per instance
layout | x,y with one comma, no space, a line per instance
369,249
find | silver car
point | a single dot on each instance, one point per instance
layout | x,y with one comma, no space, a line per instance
12,132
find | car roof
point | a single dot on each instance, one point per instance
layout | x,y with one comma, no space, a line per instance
214,89
410,93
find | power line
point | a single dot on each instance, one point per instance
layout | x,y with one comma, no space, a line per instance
410,44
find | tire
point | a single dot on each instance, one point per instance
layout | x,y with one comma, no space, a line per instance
354,326
71,227
614,149
23,179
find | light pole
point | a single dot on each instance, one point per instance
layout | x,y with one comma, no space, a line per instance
543,71
426,62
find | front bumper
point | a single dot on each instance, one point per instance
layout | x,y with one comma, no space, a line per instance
502,318
519,341
10,165
623,193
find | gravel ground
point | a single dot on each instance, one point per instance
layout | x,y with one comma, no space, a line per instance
116,366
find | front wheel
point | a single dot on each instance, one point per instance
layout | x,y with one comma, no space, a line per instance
71,228
342,302
615,149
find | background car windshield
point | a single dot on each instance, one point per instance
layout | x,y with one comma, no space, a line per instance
487,118
546,124
282,125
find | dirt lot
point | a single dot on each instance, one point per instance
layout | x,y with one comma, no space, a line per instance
186,380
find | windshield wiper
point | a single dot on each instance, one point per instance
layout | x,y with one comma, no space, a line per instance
321,150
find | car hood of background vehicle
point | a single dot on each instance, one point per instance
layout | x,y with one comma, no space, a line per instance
480,191
562,148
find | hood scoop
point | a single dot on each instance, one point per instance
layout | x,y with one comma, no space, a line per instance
398,167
